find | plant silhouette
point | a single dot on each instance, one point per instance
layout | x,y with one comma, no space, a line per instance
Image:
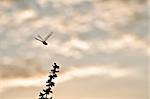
47,93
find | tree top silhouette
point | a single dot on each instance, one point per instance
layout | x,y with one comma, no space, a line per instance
47,93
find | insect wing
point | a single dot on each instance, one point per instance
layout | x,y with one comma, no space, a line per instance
48,36
38,39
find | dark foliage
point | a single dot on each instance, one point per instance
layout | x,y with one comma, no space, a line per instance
47,93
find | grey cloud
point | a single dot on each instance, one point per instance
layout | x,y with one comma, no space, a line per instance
110,71
85,34
83,7
20,68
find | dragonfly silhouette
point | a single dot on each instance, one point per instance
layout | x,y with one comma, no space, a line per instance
39,38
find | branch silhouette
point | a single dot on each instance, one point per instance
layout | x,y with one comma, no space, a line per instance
47,93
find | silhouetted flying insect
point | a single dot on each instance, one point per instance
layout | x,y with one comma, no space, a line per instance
39,38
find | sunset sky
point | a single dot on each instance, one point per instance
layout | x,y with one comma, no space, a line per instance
100,45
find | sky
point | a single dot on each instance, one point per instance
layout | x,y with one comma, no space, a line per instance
100,45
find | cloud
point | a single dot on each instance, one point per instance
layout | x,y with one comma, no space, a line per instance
24,15
76,48
68,2
87,71
109,18
116,39
70,74
19,68
126,41
28,20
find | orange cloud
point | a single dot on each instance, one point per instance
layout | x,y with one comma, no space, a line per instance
81,72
